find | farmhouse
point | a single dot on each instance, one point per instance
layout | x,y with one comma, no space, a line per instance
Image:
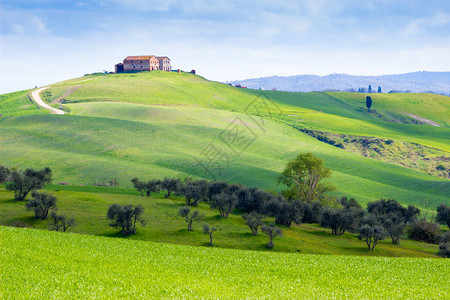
143,63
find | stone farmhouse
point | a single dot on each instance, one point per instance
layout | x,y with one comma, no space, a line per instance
143,63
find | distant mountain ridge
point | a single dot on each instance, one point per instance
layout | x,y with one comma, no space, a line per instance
417,82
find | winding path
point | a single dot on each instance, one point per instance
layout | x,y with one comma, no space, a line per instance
38,100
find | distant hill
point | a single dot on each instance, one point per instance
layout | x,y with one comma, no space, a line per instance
417,82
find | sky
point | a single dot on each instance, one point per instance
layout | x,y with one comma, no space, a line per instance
47,41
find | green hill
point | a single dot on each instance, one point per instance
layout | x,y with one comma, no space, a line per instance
156,124
35,264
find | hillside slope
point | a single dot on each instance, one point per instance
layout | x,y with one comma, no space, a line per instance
157,124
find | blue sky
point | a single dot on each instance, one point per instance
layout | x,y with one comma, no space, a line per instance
47,41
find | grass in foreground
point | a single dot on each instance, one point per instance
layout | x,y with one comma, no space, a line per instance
42,264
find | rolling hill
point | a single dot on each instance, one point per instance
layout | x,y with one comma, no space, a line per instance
157,124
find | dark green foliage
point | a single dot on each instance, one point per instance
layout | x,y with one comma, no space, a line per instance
4,173
312,212
140,186
253,199
41,204
253,221
443,214
224,202
321,136
444,245
369,90
349,203
304,178
288,212
209,231
341,220
379,89
394,226
190,217
368,102
61,222
272,232
216,187
152,186
171,185
384,207
22,183
195,191
424,231
125,217
371,235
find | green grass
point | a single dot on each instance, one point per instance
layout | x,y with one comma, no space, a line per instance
36,264
89,205
17,104
156,124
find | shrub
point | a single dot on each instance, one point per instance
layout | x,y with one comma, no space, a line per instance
444,245
443,214
125,217
424,231
41,204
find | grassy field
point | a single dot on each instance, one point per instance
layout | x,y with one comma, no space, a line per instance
36,264
157,124
89,205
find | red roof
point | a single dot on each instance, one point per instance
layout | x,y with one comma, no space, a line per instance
140,57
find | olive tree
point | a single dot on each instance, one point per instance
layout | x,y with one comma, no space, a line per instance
189,217
272,232
125,217
41,203
304,178
371,235
61,222
4,173
139,185
253,221
22,183
209,231
224,203
170,185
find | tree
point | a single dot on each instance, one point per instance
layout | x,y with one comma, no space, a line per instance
152,186
140,186
125,217
286,211
224,203
443,214
379,90
209,230
253,199
368,103
394,226
369,90
272,232
23,183
304,176
170,185
4,173
216,187
195,191
312,212
341,220
371,235
61,222
41,204
190,217
253,221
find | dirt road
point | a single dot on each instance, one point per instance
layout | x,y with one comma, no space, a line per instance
38,100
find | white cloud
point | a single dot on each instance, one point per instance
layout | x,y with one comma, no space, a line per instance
422,24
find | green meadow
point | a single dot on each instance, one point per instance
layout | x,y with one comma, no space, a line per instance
156,124
43,264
